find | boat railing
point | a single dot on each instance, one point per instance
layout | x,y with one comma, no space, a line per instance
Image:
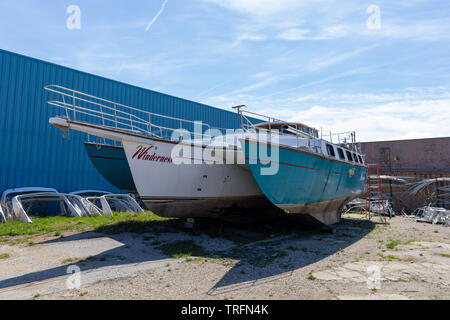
248,124
80,106
301,138
344,138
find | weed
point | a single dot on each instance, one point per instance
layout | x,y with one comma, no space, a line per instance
182,249
4,256
391,245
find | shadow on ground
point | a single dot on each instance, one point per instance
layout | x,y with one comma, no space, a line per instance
266,251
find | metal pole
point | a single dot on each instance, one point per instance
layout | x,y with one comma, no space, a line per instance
115,114
74,106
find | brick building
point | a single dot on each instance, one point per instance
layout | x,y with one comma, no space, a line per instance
415,160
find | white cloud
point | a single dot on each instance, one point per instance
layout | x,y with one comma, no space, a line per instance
248,37
335,59
257,7
299,20
413,113
257,85
390,121
294,34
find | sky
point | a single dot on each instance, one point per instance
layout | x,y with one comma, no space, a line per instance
380,68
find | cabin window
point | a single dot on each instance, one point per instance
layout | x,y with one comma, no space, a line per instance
360,159
355,158
349,156
331,151
341,154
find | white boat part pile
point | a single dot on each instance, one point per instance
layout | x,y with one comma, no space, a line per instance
2,214
83,206
376,207
90,193
432,215
116,202
21,204
37,204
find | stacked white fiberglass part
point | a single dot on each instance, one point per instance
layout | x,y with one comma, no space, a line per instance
20,204
116,202
2,214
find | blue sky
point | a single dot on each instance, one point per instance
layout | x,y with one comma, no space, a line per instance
312,61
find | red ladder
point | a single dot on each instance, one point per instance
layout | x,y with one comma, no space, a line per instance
374,193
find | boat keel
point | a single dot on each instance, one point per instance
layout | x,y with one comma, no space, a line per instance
327,212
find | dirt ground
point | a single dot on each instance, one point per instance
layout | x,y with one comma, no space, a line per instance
287,260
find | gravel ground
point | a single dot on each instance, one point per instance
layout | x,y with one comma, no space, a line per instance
287,260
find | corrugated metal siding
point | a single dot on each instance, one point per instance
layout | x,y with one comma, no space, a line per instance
33,153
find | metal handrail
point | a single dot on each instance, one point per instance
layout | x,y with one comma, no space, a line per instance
116,115
248,125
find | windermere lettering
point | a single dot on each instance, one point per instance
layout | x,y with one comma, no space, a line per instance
142,153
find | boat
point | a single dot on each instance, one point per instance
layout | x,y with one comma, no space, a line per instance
276,166
311,175
168,188
110,159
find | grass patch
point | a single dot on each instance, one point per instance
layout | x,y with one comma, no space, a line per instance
117,223
255,256
391,245
70,260
4,256
446,255
391,257
183,249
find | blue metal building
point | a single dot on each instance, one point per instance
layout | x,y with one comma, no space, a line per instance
33,153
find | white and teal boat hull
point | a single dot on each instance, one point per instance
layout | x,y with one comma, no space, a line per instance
305,182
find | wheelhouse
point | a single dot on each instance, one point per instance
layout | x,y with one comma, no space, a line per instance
289,128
